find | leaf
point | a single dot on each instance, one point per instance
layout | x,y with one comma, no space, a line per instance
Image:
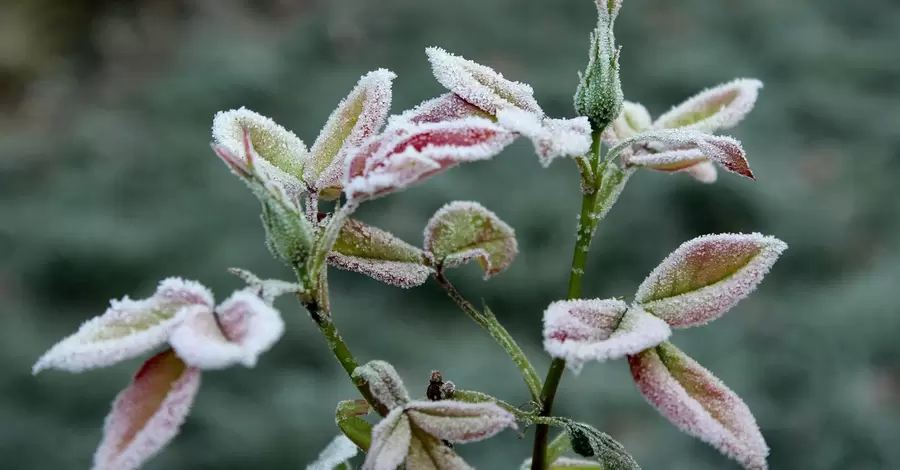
279,148
147,414
589,442
266,289
390,442
447,107
552,138
289,235
378,254
721,107
668,160
725,151
699,404
242,328
462,230
358,116
346,416
704,172
128,328
459,422
704,277
384,382
428,453
633,120
480,85
337,452
583,330
409,153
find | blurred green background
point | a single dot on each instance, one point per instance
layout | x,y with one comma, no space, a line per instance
108,185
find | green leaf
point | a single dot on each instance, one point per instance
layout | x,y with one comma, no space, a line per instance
461,231
589,442
289,235
347,417
378,254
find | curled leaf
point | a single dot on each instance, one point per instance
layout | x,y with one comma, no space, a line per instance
725,151
447,107
148,414
409,153
384,382
587,441
704,277
668,160
720,107
357,117
459,422
378,254
347,417
693,399
633,120
428,453
337,452
552,138
704,172
282,152
461,231
480,85
242,328
390,442
128,328
584,330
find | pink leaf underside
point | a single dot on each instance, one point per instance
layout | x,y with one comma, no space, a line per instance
128,328
668,160
459,422
447,107
552,138
633,119
147,414
705,277
396,273
358,116
704,172
699,404
723,150
408,154
584,330
390,442
428,453
242,328
716,108
480,85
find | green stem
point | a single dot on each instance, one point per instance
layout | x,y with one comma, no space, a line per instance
557,448
471,396
489,322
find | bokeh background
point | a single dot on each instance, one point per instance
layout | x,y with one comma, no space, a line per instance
107,184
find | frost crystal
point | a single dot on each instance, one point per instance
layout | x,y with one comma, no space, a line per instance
704,277
338,451
128,328
461,231
406,154
242,328
447,107
480,85
428,453
693,399
459,422
390,442
147,414
378,254
552,138
357,117
704,172
583,330
725,151
384,382
721,107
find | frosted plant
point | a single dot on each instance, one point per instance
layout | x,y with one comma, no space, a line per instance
364,152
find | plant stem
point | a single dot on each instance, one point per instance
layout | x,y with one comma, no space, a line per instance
587,223
470,396
489,322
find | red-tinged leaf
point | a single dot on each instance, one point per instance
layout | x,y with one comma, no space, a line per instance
461,231
459,422
447,107
704,277
128,328
358,116
699,404
378,254
409,153
723,150
584,330
390,442
480,85
721,107
147,414
552,138
278,147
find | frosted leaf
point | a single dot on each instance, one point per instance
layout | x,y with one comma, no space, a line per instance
704,172
583,330
720,107
725,151
566,463
704,277
390,442
633,120
428,453
480,85
384,382
447,107
242,328
406,154
347,418
338,451
587,441
266,289
128,328
148,414
378,254
461,231
669,160
459,422
699,404
358,116
552,138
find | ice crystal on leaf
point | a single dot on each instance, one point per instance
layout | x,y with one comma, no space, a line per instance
585,330
266,289
587,441
567,463
713,109
676,150
447,107
704,277
148,414
378,254
693,399
552,138
384,382
461,231
338,451
407,153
